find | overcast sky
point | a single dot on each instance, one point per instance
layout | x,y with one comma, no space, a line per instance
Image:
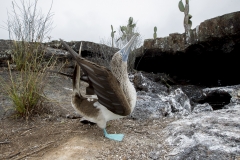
91,20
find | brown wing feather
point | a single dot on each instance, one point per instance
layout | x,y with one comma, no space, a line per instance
106,86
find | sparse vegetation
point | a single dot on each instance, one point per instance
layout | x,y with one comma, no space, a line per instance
27,29
25,90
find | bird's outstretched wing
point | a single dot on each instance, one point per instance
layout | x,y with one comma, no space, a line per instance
106,86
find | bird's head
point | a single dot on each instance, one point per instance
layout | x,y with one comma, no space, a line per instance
124,52
120,58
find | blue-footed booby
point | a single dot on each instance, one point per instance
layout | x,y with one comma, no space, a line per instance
116,96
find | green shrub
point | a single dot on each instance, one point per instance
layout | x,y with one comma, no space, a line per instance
25,88
27,29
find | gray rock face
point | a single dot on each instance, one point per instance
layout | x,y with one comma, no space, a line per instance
155,100
178,101
194,93
218,27
155,106
209,135
4,52
214,42
148,107
143,83
221,97
200,132
98,53
202,108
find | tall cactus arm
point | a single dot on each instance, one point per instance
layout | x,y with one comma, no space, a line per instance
181,6
155,33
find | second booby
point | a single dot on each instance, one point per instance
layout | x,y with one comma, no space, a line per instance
116,96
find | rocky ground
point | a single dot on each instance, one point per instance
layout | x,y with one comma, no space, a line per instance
167,123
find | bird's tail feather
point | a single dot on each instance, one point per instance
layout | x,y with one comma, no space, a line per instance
75,81
76,75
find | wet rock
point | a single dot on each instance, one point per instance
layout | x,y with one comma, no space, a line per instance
178,101
217,99
221,97
193,92
150,108
5,54
142,83
155,100
208,135
202,108
155,106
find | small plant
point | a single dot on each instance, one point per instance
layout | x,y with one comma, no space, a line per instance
25,89
27,30
187,23
112,35
155,33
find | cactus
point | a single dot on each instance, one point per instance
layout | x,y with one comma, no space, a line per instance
130,20
112,35
187,23
127,31
155,33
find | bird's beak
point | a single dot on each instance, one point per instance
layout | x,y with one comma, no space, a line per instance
126,49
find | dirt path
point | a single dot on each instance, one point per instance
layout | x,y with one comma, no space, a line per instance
89,143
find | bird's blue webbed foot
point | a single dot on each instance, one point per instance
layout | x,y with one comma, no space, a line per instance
116,137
